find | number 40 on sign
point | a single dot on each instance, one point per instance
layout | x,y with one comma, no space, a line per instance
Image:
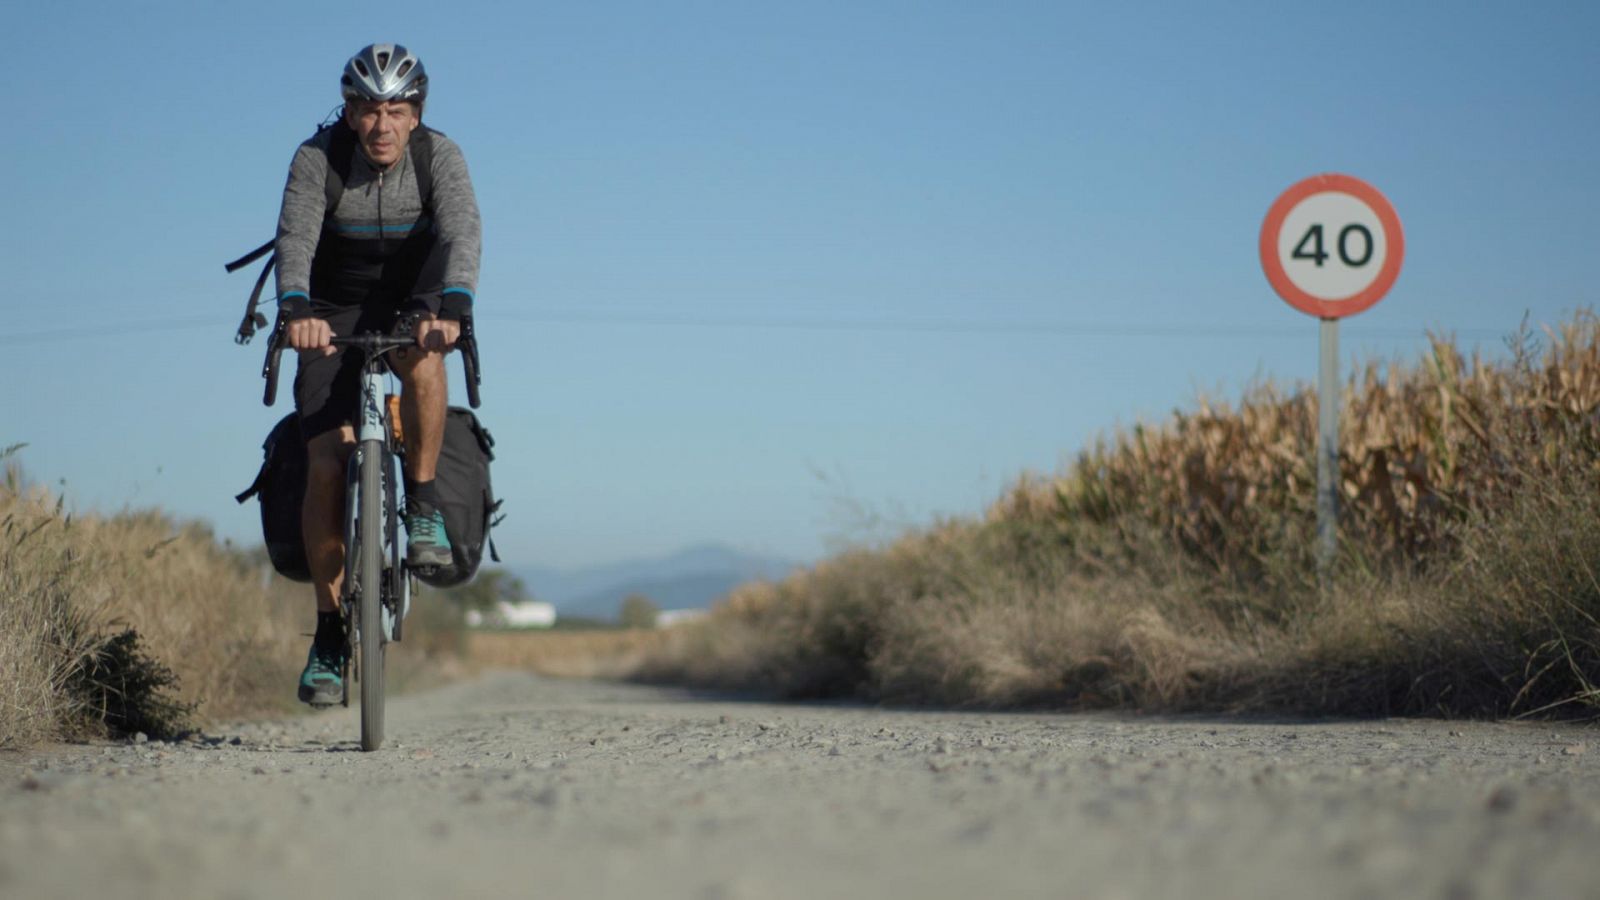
1331,246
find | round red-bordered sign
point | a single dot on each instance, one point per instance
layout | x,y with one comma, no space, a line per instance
1320,236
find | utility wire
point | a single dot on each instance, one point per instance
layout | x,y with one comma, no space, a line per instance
923,326
142,326
965,326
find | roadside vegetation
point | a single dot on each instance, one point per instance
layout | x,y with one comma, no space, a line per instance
1170,567
135,622
606,652
129,622
570,647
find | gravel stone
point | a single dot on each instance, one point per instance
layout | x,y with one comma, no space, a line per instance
580,789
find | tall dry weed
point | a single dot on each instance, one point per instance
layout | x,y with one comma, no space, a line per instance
73,586
564,654
1170,566
42,636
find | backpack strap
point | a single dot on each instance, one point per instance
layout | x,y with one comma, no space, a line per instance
250,257
341,156
494,520
422,160
255,486
253,319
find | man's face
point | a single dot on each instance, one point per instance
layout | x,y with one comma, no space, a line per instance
383,127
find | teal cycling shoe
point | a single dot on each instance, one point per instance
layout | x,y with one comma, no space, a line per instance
426,543
321,682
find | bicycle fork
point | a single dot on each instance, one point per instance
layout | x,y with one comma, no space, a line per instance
393,587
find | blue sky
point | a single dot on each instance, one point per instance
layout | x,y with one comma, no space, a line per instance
777,275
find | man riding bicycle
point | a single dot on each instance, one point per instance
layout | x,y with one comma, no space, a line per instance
396,247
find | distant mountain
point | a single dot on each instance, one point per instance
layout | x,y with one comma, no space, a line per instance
689,579
682,592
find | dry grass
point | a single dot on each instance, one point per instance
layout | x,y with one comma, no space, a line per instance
966,614
1423,446
564,654
1170,567
42,638
212,617
137,622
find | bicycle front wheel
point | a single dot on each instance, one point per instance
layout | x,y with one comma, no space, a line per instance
369,525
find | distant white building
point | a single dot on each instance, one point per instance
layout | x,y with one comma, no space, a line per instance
529,614
670,617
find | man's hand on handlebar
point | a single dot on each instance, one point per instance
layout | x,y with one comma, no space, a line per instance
437,334
310,334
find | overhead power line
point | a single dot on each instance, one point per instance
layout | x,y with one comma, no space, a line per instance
967,326
112,329
795,323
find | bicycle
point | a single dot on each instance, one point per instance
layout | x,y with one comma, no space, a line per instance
377,580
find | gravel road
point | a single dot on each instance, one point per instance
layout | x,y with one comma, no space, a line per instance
522,786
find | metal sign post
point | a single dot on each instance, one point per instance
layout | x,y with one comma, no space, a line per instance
1331,246
1328,446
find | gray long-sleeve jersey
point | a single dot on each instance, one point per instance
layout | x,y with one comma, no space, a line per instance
378,206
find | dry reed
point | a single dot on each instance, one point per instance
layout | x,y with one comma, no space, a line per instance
1170,566
72,587
563,654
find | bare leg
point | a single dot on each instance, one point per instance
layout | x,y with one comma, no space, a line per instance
322,514
424,398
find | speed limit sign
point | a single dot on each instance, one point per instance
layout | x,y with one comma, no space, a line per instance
1331,246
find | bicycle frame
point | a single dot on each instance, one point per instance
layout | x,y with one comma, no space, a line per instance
376,583
373,438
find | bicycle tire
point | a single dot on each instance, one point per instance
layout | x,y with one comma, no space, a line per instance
370,559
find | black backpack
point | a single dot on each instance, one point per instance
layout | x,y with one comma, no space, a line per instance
341,156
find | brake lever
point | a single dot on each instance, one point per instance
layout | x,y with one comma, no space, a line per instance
469,361
269,369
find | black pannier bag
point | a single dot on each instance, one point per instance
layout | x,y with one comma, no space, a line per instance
465,497
281,484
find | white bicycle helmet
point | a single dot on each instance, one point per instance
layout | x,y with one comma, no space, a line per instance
384,72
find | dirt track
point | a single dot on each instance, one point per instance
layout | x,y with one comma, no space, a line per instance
515,785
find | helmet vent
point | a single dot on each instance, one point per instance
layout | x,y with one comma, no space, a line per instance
404,68
361,67
383,61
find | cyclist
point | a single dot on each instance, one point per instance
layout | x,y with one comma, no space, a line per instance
383,254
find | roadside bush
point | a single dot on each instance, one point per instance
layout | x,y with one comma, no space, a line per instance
130,623
1170,566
